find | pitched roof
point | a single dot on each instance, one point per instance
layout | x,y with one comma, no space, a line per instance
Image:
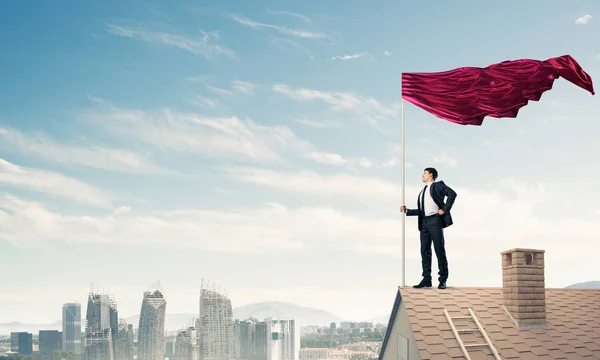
572,331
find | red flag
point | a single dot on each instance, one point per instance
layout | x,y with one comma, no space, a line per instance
467,95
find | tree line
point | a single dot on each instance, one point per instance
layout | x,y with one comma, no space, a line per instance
57,355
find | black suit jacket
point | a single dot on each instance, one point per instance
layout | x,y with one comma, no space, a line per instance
439,191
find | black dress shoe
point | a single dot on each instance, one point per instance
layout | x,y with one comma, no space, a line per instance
423,284
442,285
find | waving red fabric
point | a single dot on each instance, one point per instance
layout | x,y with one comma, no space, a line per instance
467,95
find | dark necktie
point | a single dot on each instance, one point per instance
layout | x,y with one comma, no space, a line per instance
423,200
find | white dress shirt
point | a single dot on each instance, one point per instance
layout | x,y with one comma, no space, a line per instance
431,207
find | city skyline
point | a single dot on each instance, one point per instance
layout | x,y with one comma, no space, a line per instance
216,335
72,311
258,145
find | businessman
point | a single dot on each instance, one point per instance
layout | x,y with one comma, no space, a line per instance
434,217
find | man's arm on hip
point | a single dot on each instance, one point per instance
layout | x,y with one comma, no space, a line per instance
448,192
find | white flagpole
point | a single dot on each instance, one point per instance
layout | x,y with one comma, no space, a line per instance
403,202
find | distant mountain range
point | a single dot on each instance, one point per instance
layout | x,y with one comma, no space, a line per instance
303,315
586,285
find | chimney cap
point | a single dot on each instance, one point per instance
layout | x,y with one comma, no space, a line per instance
522,250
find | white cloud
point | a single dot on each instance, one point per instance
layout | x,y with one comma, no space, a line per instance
269,228
244,87
296,33
583,19
487,221
40,146
236,86
318,123
391,163
189,133
304,18
387,53
200,78
348,57
445,160
327,158
314,184
366,108
219,91
505,215
51,183
205,102
365,162
339,160
122,210
204,46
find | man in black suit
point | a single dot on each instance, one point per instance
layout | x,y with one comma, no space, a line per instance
434,216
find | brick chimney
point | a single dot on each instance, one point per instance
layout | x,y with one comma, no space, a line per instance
524,286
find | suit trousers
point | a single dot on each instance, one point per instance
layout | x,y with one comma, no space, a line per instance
432,231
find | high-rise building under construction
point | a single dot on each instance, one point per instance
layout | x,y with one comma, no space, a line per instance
101,327
215,325
151,331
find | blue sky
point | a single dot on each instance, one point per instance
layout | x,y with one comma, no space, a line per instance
256,144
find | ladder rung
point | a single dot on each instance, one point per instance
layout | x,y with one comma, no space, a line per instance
461,344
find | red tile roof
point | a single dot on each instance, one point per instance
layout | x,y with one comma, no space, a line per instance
572,329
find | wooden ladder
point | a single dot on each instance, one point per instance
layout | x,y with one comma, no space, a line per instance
464,347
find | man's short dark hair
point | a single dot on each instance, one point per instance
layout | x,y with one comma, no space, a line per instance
433,172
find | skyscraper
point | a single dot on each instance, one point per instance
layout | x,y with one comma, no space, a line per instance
215,325
99,345
98,312
98,332
284,339
247,342
14,341
130,334
22,342
151,332
261,338
114,323
186,344
49,341
170,347
123,343
236,339
71,328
